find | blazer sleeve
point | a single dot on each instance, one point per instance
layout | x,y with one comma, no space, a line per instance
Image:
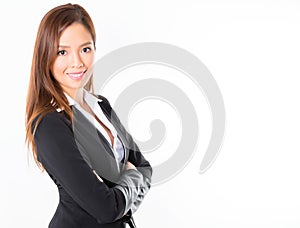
59,154
135,157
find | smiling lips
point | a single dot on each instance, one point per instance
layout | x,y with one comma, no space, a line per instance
77,75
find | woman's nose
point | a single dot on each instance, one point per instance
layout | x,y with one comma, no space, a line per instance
76,61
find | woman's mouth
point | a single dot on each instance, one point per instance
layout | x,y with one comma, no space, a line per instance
76,75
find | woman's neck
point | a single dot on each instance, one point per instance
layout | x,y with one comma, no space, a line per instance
77,96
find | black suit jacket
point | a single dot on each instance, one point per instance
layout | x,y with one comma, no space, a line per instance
69,154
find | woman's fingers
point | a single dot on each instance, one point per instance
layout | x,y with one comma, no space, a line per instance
129,165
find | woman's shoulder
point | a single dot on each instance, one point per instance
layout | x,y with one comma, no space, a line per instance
53,119
55,115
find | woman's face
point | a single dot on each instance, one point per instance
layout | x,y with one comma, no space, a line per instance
75,57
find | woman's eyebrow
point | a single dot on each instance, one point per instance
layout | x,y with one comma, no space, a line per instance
84,44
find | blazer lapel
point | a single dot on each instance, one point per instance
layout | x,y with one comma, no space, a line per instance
107,110
94,148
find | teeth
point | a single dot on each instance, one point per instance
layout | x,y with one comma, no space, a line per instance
75,75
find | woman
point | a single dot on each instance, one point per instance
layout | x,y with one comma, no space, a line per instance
101,175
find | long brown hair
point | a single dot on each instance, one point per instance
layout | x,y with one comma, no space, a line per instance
44,92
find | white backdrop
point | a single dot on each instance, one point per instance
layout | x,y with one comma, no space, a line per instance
251,48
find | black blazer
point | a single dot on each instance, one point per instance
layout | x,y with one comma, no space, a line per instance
70,156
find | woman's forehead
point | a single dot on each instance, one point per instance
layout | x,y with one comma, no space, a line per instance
75,34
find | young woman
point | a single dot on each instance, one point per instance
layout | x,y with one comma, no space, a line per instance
75,135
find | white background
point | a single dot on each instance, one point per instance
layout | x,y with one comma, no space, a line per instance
251,48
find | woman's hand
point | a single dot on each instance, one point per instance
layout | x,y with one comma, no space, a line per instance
129,165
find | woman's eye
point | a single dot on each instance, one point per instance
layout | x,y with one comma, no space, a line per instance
86,49
62,52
